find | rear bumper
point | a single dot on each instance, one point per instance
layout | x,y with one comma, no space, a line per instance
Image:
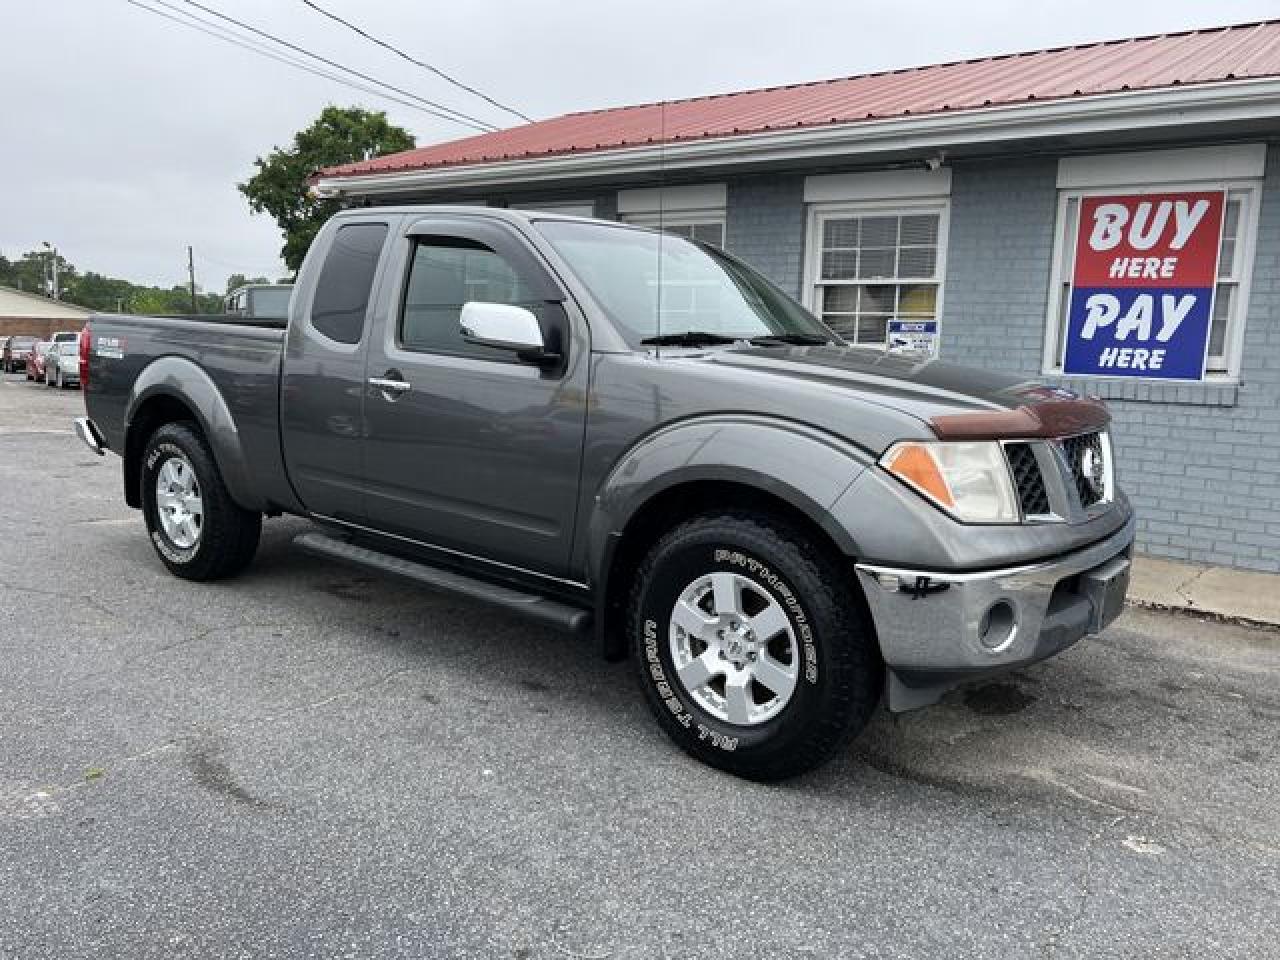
939,629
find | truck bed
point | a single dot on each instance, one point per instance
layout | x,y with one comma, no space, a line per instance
238,359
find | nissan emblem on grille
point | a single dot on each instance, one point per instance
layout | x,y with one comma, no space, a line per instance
1087,464
1093,470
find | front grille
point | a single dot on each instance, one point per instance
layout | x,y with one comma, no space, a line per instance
1085,457
1027,479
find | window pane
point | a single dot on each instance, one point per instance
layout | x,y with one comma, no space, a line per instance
917,299
877,263
841,324
1231,218
840,299
1223,299
1064,308
840,233
879,232
712,233
444,275
342,292
920,230
872,329
1227,259
917,262
839,265
878,299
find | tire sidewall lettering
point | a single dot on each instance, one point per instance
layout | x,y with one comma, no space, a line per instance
654,625
159,453
764,575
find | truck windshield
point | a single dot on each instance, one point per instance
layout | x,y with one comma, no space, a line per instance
663,289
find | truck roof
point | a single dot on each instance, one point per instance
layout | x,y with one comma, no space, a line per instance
497,213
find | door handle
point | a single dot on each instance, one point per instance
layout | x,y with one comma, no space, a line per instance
391,384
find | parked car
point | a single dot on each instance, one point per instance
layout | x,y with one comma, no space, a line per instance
607,429
62,365
34,365
14,356
260,301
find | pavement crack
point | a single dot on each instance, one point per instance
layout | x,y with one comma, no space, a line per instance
1067,927
1183,588
192,740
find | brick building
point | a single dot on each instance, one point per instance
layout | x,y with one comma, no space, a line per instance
1020,212
31,314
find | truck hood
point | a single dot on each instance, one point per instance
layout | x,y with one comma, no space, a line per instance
956,402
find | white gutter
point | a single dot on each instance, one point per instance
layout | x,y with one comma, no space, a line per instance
1236,100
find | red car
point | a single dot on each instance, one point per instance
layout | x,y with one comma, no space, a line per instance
35,360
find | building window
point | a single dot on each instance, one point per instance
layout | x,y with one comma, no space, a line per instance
705,227
1226,330
695,212
872,263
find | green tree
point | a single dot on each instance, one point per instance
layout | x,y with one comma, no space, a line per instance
99,292
280,186
239,280
31,273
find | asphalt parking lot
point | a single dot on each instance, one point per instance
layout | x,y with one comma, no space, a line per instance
309,761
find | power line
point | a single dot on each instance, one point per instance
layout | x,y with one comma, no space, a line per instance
253,46
474,121
426,66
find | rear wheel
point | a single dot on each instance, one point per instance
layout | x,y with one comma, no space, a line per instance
197,530
754,650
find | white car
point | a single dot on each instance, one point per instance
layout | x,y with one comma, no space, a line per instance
62,364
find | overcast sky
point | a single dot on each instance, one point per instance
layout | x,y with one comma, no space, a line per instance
124,135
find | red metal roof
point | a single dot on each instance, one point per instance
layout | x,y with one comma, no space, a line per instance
1175,59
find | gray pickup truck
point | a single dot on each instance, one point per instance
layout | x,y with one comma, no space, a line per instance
639,438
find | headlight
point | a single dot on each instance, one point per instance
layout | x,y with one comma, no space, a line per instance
968,480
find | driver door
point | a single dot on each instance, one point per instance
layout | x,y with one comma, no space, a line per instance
471,449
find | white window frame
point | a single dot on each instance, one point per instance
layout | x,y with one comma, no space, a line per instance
1233,168
819,213
691,205
680,218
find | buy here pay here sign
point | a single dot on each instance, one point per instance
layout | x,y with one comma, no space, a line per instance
1142,288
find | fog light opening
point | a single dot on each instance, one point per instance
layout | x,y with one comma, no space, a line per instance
998,626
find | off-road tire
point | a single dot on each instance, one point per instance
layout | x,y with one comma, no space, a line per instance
842,674
229,534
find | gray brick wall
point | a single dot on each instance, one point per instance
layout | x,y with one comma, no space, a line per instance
765,225
999,250
1201,463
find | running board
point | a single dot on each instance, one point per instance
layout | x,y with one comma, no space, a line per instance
551,612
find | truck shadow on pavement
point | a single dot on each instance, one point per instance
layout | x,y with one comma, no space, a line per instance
1107,728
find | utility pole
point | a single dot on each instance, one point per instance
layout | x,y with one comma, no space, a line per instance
54,292
191,272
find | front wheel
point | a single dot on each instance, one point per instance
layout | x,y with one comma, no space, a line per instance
754,649
198,531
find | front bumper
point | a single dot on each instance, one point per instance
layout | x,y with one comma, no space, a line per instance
939,629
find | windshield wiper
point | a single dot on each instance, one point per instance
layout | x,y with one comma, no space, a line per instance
790,339
688,338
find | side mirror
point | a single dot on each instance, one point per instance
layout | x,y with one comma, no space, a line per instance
506,327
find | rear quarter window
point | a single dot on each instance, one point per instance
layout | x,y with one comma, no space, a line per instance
346,281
